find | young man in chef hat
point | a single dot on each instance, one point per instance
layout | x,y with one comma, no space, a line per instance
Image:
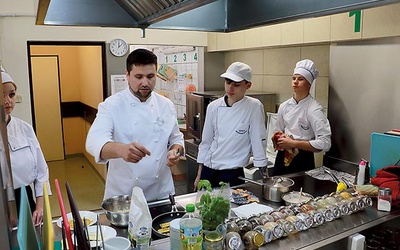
302,127
234,130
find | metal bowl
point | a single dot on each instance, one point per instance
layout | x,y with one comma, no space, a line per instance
294,197
117,210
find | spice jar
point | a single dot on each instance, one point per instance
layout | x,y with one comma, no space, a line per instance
264,218
317,217
297,223
253,240
384,199
244,226
254,220
278,215
267,233
287,226
231,226
233,241
307,219
276,229
213,241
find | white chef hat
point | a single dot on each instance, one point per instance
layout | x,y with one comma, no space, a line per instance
306,68
238,72
6,77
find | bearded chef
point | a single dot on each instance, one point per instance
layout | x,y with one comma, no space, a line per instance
302,127
136,132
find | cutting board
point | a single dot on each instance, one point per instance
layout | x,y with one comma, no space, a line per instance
385,151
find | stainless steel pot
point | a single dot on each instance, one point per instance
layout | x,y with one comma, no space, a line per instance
273,187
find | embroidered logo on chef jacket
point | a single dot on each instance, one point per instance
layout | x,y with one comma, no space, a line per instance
304,127
159,121
241,131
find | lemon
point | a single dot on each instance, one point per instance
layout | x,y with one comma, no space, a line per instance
341,186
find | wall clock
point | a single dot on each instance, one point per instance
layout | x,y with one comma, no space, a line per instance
118,47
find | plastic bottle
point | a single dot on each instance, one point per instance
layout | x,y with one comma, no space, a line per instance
361,173
191,230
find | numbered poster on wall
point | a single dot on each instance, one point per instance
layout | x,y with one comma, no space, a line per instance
118,83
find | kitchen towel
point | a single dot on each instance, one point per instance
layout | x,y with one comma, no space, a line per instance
251,209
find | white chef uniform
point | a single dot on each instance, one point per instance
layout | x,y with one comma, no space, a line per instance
306,121
153,124
27,161
231,134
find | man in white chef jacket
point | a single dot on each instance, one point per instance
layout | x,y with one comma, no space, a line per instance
234,130
136,132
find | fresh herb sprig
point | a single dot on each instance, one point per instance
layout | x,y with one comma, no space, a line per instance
214,209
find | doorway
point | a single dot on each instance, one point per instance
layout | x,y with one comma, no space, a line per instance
62,108
47,110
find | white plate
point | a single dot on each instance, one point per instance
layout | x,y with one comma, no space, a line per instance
92,217
108,232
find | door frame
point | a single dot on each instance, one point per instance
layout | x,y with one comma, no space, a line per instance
89,114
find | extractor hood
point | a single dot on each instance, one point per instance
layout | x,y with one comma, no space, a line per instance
200,15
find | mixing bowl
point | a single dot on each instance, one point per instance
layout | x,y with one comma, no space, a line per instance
117,210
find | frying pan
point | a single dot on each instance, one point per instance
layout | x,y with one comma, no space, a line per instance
166,217
163,218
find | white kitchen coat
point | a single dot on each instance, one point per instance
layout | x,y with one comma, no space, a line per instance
232,134
27,161
306,121
123,118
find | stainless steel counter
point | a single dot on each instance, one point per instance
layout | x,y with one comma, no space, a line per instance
312,238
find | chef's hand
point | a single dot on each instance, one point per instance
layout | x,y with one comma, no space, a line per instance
134,152
173,157
196,181
37,215
286,142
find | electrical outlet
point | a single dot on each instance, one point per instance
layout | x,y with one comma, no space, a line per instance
18,98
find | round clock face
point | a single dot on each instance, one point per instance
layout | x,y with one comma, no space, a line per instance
118,47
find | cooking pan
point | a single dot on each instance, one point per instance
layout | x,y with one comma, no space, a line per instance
166,217
273,187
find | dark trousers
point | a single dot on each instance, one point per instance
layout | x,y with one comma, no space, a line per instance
303,161
29,192
229,176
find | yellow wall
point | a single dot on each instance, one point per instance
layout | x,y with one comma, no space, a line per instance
70,67
91,77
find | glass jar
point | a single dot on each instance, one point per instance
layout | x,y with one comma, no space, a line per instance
287,226
367,200
297,223
343,207
384,199
306,207
254,220
327,213
276,229
321,202
307,220
244,226
335,210
286,211
213,241
346,195
267,233
331,200
264,218
233,241
253,240
317,217
278,215
231,226
359,202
